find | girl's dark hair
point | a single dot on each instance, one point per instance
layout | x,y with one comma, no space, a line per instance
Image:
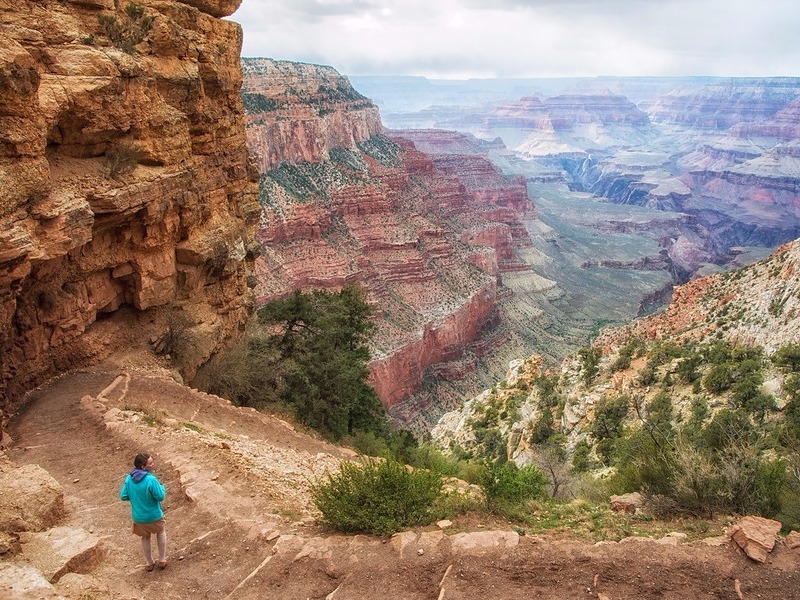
140,460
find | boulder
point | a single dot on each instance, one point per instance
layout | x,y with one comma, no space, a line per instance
792,540
61,550
756,536
402,541
31,500
626,503
478,542
24,582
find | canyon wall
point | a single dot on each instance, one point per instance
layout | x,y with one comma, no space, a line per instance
757,305
429,238
297,112
722,105
125,183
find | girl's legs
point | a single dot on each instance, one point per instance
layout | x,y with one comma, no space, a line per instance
161,540
148,556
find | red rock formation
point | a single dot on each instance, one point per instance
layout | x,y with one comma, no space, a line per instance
569,110
783,125
298,112
168,223
725,104
429,237
385,214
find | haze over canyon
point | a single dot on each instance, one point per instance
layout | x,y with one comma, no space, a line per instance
577,206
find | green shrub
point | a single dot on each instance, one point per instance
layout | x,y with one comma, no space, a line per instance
687,368
626,353
582,457
788,357
122,160
544,428
426,456
663,351
506,485
548,389
648,376
311,355
609,415
378,497
127,30
718,379
590,363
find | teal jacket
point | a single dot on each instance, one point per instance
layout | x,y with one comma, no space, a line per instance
145,495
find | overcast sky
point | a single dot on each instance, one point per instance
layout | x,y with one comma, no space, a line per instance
529,38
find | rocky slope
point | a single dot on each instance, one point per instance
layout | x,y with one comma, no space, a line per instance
124,165
756,306
241,524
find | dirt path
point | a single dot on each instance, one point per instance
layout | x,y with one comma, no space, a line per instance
240,523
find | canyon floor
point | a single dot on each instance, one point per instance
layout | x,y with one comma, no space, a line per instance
241,524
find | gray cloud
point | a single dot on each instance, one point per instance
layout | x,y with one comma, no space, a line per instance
461,38
322,8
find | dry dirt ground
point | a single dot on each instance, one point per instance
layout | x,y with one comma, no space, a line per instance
241,526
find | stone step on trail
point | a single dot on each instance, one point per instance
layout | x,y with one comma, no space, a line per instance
61,550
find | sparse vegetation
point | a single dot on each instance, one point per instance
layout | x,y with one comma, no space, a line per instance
122,160
382,149
507,487
309,357
255,103
128,30
177,340
590,363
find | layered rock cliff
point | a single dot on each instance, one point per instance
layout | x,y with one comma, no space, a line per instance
429,237
756,305
298,112
722,105
125,185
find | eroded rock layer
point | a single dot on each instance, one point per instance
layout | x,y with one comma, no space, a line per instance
297,112
123,167
429,238
724,104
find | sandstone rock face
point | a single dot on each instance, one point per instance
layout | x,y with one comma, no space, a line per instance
722,105
298,112
123,160
756,536
31,500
